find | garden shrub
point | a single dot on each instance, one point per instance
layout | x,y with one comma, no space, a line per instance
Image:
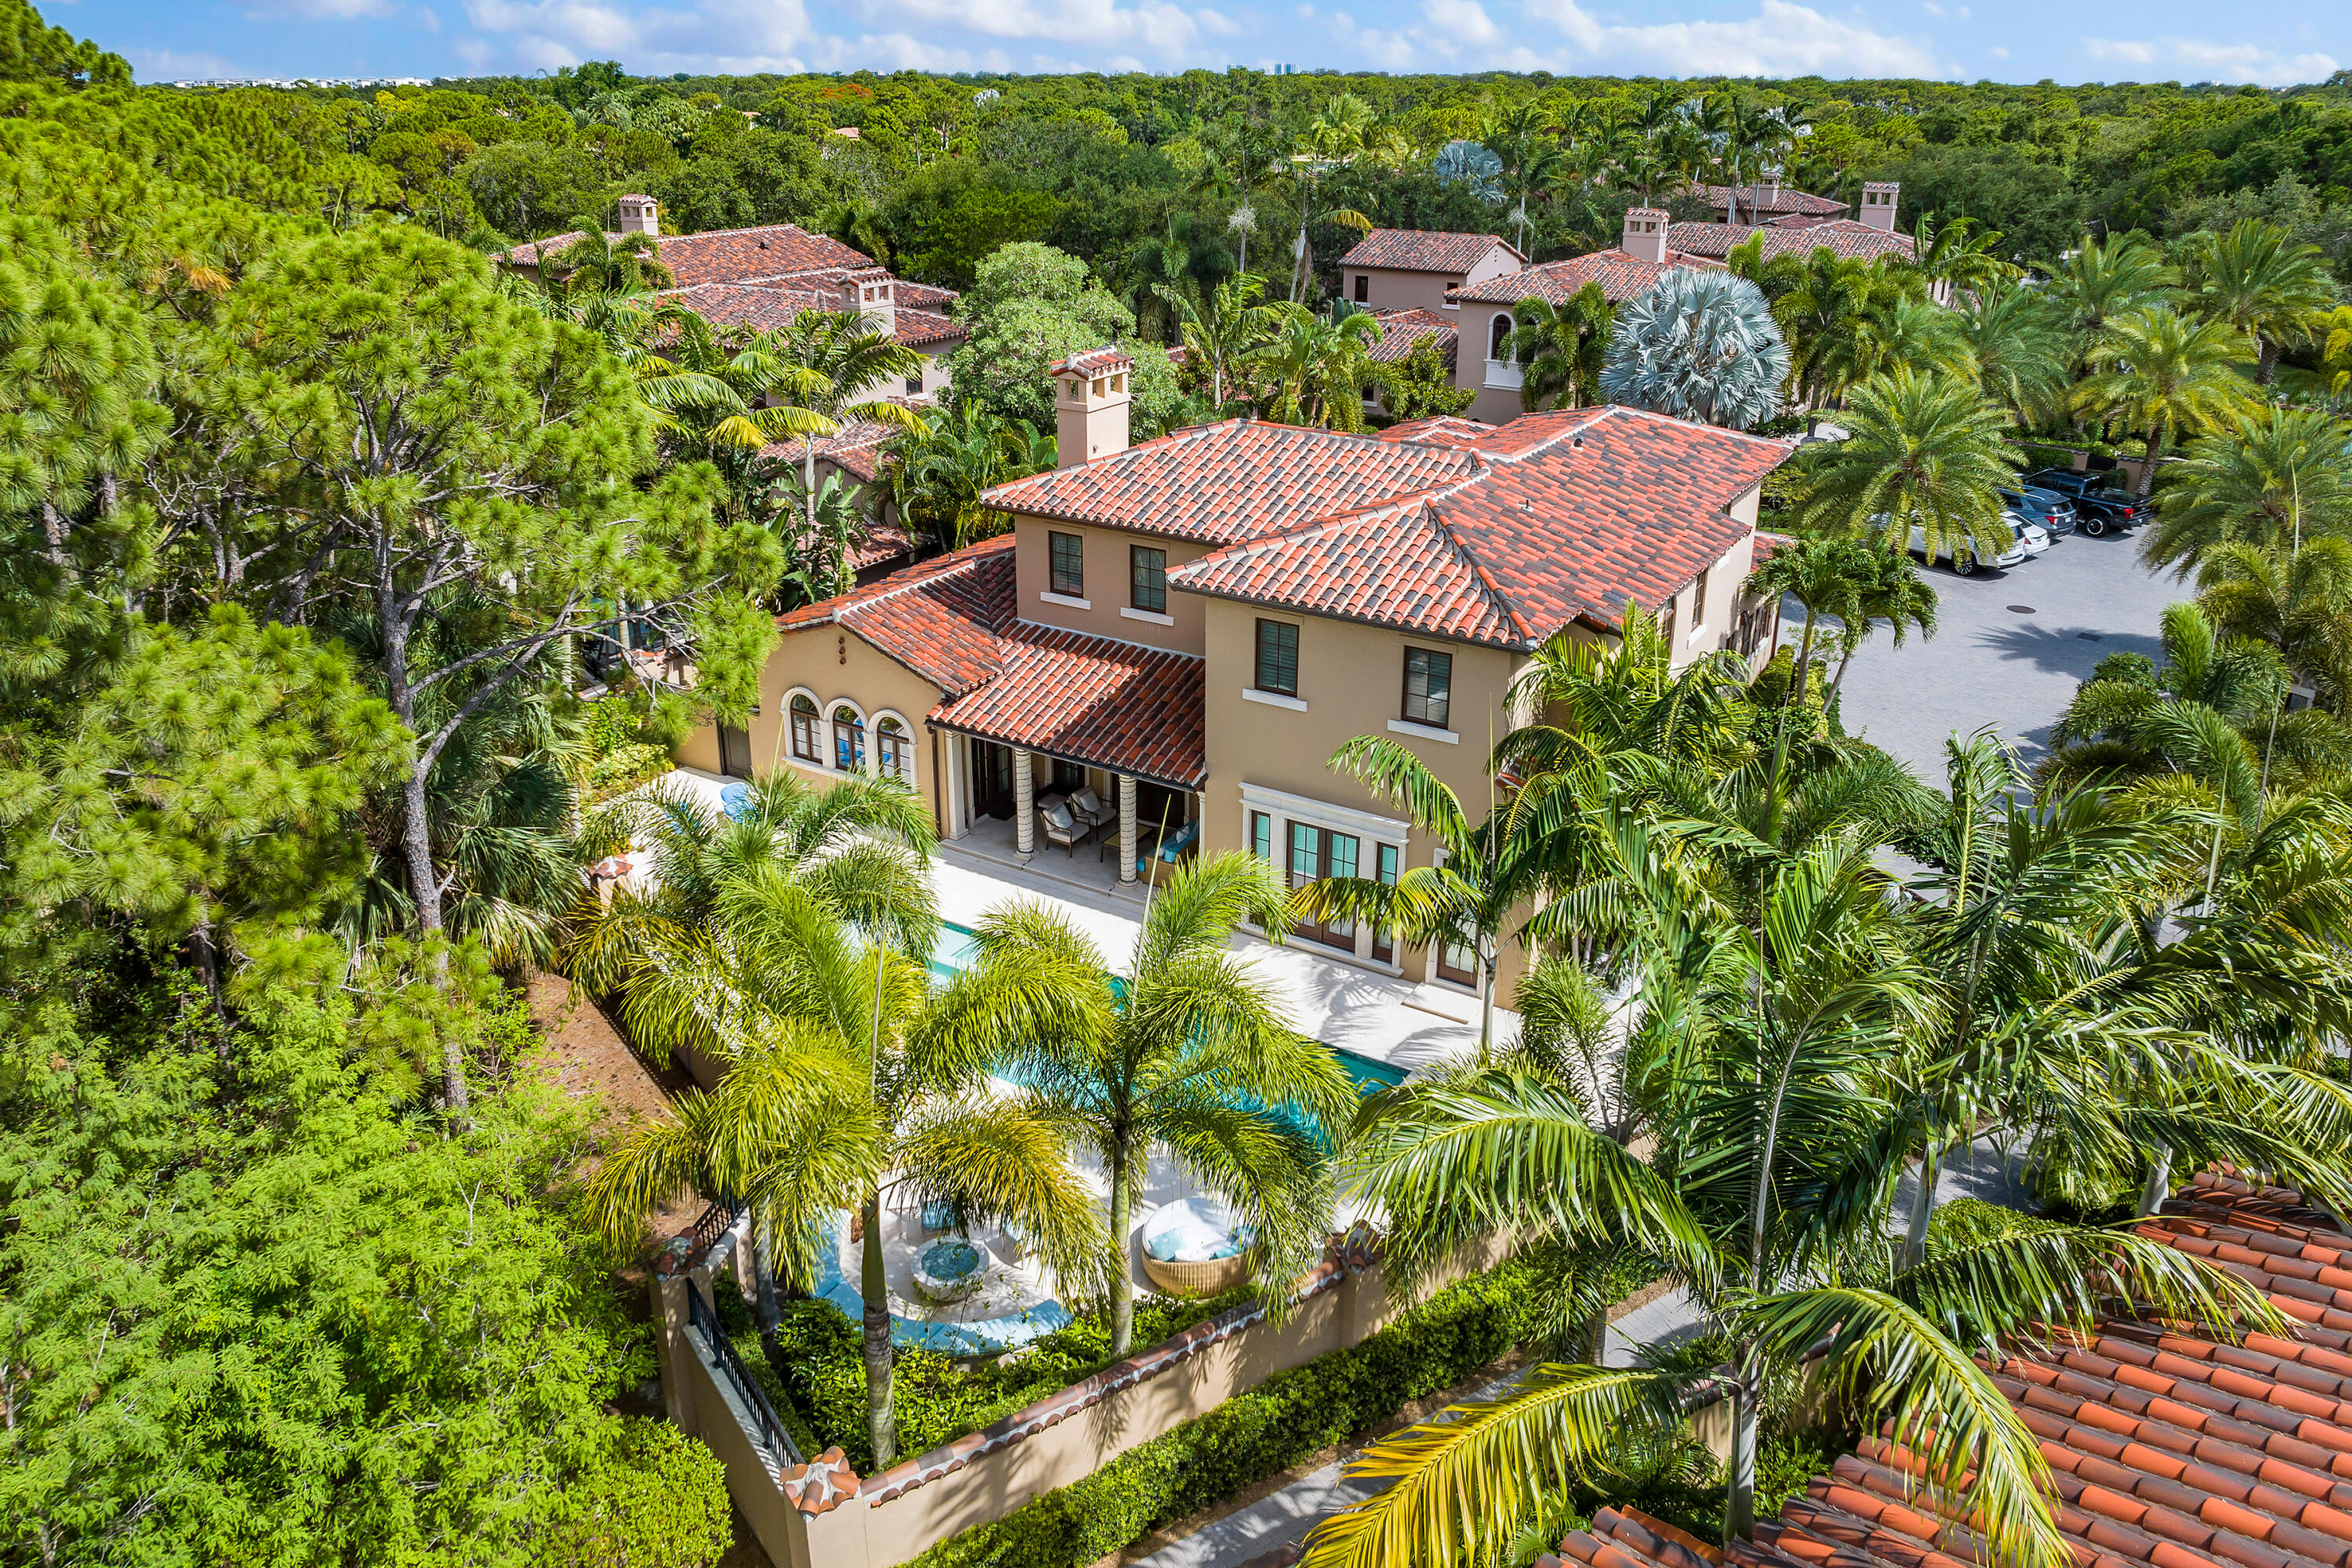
1251,1436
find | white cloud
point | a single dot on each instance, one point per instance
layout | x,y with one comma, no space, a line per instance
173,64
2205,60
1781,38
322,10
1932,9
1998,52
719,35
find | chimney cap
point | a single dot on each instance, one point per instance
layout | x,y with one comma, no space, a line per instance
1658,212
1882,185
635,198
1093,362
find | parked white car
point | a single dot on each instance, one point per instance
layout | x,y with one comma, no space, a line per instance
2028,540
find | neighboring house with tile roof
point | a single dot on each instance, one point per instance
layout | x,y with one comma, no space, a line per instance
1193,625
2167,1449
1411,268
762,277
1763,200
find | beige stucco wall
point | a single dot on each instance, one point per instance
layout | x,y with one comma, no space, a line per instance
1351,679
1400,288
1705,628
832,664
1107,585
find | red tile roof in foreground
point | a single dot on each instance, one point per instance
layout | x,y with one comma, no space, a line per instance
1842,236
939,618
2167,1450
1091,700
1241,480
1424,250
1621,277
1574,513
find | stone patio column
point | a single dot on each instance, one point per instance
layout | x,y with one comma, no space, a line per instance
1127,828
1024,804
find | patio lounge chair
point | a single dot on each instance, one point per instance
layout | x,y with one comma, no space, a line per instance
1172,850
1087,807
1060,827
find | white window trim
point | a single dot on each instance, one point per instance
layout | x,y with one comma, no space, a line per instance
874,745
1154,617
1282,809
1067,601
865,724
1323,814
1424,732
1273,699
786,709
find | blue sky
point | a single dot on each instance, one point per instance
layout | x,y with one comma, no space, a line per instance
2008,40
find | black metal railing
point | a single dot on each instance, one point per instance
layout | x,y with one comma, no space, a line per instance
768,1430
714,1222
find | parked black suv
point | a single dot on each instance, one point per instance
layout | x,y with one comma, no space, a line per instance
2053,511
2099,506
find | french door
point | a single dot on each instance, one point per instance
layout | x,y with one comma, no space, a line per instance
1316,853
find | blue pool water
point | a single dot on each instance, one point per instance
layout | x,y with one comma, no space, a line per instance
957,947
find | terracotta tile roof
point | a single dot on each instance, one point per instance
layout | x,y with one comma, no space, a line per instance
2166,1450
1842,235
1621,277
766,307
1402,332
1439,430
1092,362
1239,479
1424,250
855,449
1762,201
727,256
920,296
1091,700
1577,513
939,618
884,542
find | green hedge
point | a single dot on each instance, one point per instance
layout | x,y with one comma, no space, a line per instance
821,1356
1251,1436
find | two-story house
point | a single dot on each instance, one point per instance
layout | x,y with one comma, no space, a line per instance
1192,626
764,277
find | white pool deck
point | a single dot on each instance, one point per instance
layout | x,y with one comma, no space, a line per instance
1342,1004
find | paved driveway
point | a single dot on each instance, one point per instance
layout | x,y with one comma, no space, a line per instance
2009,649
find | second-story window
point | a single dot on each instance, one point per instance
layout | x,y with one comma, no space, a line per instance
1428,687
1363,287
1278,657
1069,554
1149,571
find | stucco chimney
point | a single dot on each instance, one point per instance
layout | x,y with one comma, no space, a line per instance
638,215
867,293
1646,236
1090,396
1878,204
1768,191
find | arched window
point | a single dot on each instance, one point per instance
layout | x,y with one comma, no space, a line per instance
893,748
1501,329
848,739
804,742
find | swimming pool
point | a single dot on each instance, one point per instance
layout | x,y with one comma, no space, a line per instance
957,947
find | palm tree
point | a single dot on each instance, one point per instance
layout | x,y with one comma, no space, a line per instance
829,526
1189,1053
723,398
2268,478
1486,871
1779,1146
2299,602
2160,372
1313,370
1698,345
1906,330
1819,308
840,358
1827,575
1223,326
937,474
1182,258
857,223
2214,709
1893,592
597,262
2262,284
1334,137
1956,256
1926,451
2109,278
2018,342
1562,348
839,1089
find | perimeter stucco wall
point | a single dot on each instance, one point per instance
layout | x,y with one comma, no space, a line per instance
990,1485
1107,584
1351,679
833,664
